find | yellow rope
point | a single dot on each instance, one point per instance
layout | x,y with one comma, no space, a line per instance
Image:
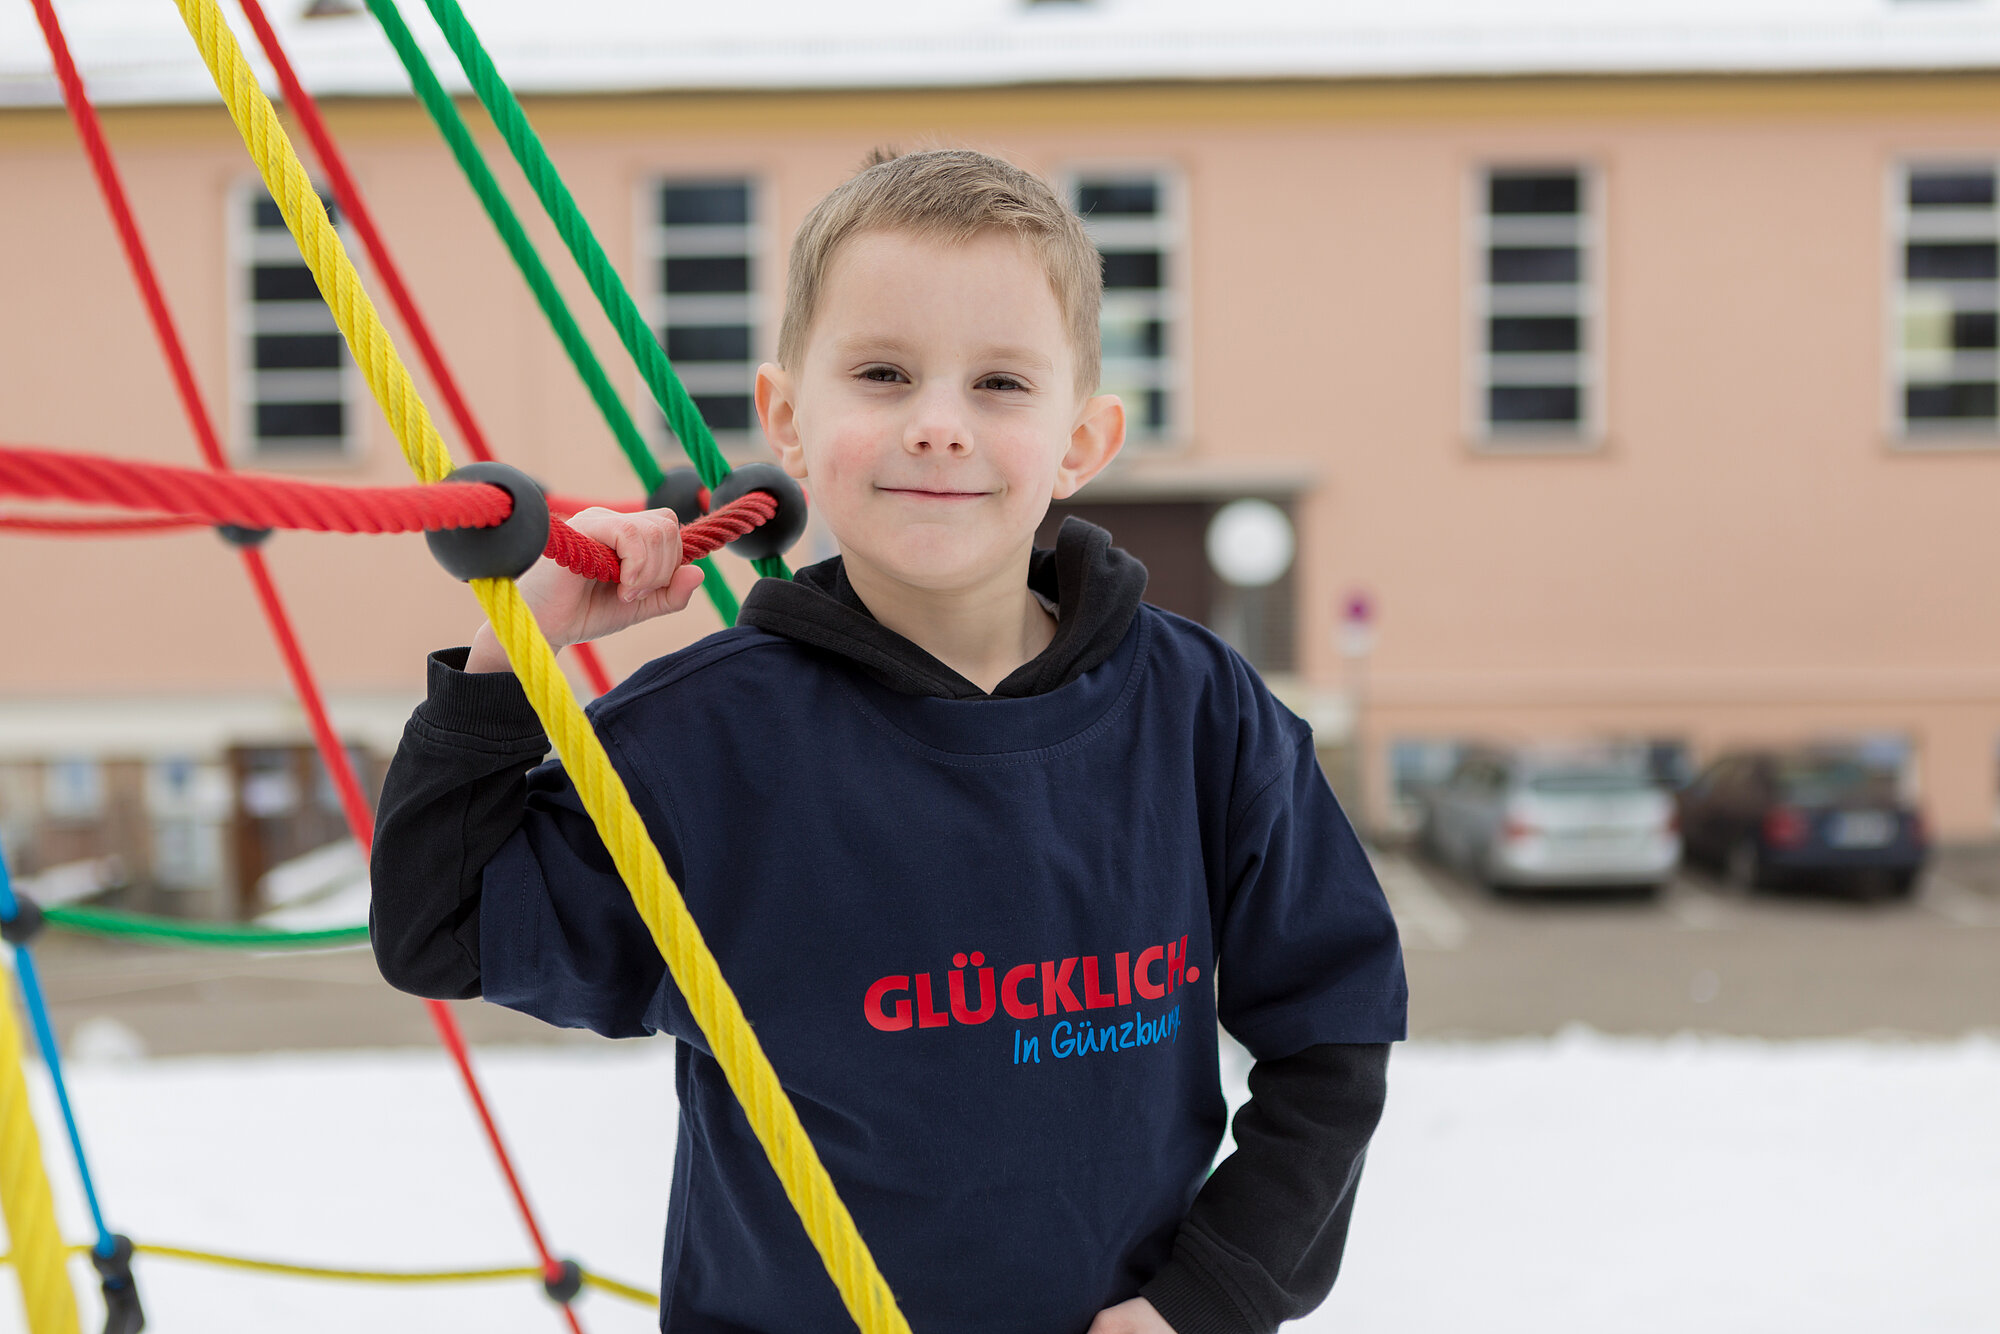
628,1291
709,997
324,1271
713,1004
24,1195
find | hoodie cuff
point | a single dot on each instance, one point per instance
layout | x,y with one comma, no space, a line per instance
489,707
1194,1301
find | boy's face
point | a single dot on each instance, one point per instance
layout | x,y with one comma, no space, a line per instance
935,411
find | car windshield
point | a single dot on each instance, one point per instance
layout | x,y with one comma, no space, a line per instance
1594,782
1821,780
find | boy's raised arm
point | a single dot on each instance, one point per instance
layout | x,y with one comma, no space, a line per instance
457,786
454,793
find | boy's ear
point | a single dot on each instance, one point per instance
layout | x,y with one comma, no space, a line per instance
778,412
1095,440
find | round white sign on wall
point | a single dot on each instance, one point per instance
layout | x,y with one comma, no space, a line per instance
1251,543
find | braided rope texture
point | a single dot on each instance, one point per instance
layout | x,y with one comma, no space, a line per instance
630,1292
679,940
353,804
247,499
613,298
90,525
191,496
472,165
30,1209
715,1007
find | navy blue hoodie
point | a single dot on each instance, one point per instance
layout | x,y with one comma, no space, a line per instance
985,942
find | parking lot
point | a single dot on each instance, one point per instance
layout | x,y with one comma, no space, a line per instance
1701,957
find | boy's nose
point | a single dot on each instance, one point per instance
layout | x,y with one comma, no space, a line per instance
932,436
937,425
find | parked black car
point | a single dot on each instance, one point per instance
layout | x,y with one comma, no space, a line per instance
1774,818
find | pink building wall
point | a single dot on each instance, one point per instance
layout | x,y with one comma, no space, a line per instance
1748,554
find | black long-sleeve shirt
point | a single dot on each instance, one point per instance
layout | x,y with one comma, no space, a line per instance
1263,1238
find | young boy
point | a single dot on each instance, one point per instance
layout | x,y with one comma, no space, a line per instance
985,845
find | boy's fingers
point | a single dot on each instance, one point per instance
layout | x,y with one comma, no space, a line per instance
673,596
681,588
649,548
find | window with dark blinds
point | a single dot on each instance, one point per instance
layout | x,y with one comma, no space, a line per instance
705,262
1130,217
1536,307
299,399
1948,287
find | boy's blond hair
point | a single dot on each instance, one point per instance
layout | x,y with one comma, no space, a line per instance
952,194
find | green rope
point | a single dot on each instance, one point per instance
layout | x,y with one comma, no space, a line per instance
174,931
508,224
574,228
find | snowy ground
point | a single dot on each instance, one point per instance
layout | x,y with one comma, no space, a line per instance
1580,1184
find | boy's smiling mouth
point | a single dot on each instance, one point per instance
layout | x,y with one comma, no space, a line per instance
929,493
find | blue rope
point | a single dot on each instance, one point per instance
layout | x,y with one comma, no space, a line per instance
45,1037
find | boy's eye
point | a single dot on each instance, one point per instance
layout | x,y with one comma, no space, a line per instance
882,374
1001,382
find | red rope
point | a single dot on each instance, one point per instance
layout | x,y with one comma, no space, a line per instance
360,822
110,525
247,499
254,501
593,560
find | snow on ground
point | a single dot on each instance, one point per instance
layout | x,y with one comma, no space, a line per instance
1576,1184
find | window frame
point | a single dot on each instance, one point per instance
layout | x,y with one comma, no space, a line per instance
1947,435
244,252
764,299
1172,231
1593,379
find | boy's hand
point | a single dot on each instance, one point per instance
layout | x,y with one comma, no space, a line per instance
570,608
1134,1317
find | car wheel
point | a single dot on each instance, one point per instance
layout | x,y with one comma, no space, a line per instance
1743,869
1900,885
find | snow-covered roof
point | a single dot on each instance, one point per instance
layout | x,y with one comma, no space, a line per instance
135,51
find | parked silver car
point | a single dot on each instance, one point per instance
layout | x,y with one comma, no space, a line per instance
1553,818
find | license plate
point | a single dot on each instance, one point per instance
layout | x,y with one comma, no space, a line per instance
1862,829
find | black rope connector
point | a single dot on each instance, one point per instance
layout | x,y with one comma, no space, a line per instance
26,923
506,550
566,1283
682,492
122,1312
236,535
785,526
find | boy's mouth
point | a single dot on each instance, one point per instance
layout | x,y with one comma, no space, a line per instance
927,493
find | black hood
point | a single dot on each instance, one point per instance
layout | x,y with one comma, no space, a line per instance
1095,587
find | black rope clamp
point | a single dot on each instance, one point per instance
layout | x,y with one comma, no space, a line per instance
785,527
506,550
26,923
682,492
566,1282
236,535
122,1312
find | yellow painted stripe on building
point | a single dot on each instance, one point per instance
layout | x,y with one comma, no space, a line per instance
988,111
